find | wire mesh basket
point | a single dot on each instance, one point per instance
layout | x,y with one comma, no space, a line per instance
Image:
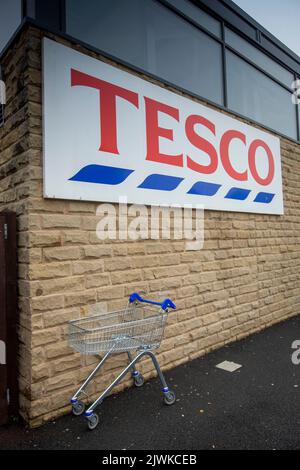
135,328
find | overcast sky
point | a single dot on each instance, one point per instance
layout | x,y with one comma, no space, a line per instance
280,17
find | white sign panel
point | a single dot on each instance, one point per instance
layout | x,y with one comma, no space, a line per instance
109,133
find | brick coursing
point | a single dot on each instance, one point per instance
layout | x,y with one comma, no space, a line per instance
245,279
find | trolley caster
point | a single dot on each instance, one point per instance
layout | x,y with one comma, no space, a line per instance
93,421
78,408
139,380
169,397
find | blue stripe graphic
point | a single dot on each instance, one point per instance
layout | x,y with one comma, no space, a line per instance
204,189
161,182
238,193
101,174
266,198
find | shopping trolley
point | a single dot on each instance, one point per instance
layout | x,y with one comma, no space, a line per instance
138,327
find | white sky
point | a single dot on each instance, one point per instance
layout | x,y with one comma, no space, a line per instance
280,17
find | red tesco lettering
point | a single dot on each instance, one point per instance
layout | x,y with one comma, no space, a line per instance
154,132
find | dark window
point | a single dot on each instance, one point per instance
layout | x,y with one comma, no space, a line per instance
197,15
258,57
48,13
10,19
258,97
148,35
281,55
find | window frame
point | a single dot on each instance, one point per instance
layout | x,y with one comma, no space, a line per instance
265,82
226,21
224,47
216,39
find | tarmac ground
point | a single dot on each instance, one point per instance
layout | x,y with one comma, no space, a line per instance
255,407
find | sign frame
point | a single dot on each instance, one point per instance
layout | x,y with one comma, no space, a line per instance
79,165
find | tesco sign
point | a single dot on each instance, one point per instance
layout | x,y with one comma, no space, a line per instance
109,133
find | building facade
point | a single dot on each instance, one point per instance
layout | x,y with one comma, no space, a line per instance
246,276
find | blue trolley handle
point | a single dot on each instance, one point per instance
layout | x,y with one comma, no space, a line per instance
167,303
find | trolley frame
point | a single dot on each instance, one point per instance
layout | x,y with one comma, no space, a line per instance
78,407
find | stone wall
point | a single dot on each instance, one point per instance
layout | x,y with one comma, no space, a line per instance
18,180
245,279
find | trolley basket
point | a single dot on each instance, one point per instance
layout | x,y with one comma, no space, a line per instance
138,327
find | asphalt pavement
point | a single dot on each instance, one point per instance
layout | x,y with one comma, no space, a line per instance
255,407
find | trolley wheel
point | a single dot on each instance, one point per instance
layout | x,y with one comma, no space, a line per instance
169,398
78,408
139,380
93,421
